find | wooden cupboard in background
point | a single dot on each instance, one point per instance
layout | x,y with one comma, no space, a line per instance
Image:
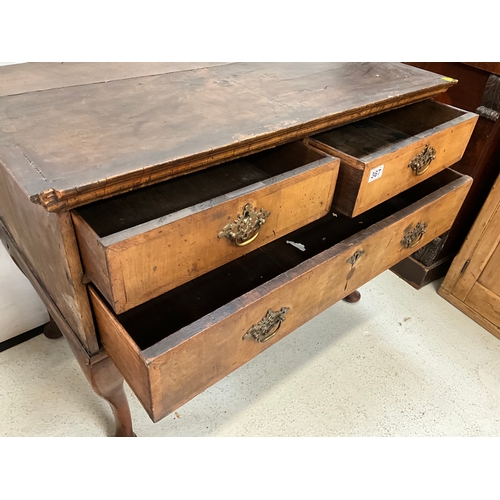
473,280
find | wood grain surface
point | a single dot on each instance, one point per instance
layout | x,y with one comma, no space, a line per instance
196,355
138,264
85,142
478,247
473,280
389,142
49,246
34,77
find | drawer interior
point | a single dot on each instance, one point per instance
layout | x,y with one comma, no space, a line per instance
150,322
137,207
368,136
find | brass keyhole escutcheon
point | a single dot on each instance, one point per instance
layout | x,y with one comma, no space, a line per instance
421,162
355,257
413,236
267,327
246,227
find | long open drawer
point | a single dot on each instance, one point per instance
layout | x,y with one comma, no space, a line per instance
175,346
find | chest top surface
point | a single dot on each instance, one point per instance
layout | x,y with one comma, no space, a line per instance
73,133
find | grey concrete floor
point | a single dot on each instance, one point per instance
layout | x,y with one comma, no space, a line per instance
400,362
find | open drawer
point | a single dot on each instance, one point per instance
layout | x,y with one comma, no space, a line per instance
141,244
175,346
391,152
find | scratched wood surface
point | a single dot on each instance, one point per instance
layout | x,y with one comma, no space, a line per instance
389,142
71,145
34,77
206,342
140,263
473,280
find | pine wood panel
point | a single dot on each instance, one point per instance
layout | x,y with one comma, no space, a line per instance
470,312
473,281
198,355
484,302
89,142
136,265
478,247
490,277
390,142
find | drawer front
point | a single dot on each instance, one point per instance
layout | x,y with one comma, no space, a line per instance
138,264
175,369
388,154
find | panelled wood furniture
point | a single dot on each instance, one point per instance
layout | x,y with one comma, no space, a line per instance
472,283
178,219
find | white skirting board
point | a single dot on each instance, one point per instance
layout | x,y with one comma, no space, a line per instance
21,309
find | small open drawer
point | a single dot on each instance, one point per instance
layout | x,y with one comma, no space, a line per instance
141,244
388,153
175,346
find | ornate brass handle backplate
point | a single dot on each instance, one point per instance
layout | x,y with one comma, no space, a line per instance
421,162
412,237
268,326
246,227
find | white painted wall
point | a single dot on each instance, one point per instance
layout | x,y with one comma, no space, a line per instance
21,309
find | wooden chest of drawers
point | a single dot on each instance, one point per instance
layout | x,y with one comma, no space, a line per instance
177,224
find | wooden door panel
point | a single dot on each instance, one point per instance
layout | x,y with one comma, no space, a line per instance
490,277
484,302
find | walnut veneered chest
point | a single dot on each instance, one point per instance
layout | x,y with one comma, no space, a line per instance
178,219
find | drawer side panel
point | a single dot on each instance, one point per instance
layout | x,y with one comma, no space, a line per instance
122,350
93,256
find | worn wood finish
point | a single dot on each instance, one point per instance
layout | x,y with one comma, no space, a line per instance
485,302
99,370
390,141
93,141
35,77
79,139
481,159
490,67
478,248
142,262
107,382
490,277
51,330
49,245
353,297
417,274
473,280
470,312
198,354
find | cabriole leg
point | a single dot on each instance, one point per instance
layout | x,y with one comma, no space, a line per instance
107,382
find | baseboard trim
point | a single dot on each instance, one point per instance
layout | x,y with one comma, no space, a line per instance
19,339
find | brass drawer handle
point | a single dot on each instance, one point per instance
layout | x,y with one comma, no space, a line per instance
268,326
246,227
413,236
421,162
